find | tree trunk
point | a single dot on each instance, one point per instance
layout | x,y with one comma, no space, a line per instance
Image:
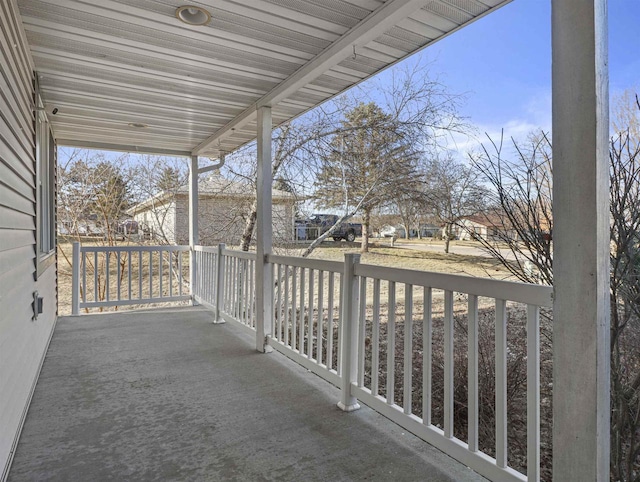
249,227
406,231
366,219
325,235
447,237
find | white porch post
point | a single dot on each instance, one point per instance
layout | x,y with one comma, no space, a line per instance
75,280
581,241
264,234
349,333
193,223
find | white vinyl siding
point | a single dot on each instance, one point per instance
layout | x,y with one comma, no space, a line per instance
23,340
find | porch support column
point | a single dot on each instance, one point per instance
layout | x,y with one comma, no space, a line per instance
193,224
264,233
581,240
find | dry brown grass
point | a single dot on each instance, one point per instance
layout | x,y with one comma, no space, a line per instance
382,254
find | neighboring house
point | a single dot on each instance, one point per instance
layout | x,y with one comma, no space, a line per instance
428,230
91,226
472,227
223,206
489,226
80,227
399,231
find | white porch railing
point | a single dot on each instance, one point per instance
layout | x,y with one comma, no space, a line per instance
403,288
344,320
307,313
205,289
128,275
225,283
336,319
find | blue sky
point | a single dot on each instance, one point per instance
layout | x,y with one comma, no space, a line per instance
503,63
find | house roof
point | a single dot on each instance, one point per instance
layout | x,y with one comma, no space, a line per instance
128,75
490,219
217,185
213,186
478,220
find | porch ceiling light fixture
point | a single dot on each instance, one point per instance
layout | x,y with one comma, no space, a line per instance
193,15
138,125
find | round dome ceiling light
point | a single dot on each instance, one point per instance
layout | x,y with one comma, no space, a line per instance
193,15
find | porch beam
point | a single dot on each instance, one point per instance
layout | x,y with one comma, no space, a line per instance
581,240
194,237
103,146
375,24
264,233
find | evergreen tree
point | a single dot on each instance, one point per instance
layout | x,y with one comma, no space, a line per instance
170,179
110,191
370,161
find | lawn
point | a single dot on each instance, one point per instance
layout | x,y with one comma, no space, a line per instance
381,253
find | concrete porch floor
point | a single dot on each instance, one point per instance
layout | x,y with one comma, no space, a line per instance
166,395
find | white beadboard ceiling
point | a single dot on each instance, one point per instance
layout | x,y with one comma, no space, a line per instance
106,64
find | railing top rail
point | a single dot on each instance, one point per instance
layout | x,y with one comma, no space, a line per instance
206,249
132,248
504,290
319,264
239,254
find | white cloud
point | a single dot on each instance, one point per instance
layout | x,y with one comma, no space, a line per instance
461,144
538,109
535,115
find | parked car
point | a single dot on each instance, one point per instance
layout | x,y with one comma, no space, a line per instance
318,224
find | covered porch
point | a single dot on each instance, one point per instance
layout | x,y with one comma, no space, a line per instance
171,400
165,395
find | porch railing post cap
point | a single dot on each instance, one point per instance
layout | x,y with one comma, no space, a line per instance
352,257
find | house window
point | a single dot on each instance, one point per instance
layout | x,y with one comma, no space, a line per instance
45,191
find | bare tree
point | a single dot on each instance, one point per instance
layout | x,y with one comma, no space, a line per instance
520,200
414,100
452,191
156,180
522,190
94,193
410,207
625,116
624,154
288,139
